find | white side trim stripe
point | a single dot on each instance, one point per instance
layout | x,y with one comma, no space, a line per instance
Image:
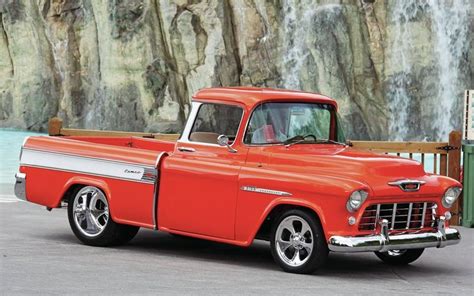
93,166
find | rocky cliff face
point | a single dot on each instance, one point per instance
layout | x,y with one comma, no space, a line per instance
133,65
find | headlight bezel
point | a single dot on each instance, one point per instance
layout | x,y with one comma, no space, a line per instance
453,189
356,200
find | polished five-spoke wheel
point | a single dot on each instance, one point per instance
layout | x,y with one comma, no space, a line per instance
91,211
90,219
297,242
294,241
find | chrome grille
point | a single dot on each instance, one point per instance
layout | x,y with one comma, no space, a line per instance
400,216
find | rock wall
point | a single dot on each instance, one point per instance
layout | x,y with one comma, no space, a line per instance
133,65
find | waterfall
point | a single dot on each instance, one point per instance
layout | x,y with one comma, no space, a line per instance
449,21
401,14
297,20
293,52
451,26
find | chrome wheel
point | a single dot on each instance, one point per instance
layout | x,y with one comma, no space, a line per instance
396,253
294,241
90,211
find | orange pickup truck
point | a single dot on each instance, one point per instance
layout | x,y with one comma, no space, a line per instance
250,164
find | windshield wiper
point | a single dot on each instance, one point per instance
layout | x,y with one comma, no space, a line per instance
298,139
331,142
293,143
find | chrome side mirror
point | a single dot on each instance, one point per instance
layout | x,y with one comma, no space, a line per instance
223,141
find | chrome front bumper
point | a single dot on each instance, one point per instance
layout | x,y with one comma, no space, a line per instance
20,186
384,242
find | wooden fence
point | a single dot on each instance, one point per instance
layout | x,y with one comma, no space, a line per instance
446,156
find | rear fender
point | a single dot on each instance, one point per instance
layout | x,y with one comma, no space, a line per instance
87,181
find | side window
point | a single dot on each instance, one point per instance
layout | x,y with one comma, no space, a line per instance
214,120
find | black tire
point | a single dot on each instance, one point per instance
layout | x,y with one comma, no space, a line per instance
400,257
316,258
113,234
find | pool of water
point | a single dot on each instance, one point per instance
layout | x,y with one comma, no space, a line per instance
10,144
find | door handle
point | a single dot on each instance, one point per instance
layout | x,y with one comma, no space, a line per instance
186,149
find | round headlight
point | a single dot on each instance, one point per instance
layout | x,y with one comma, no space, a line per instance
356,199
450,196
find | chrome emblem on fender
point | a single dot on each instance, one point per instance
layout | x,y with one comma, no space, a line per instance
265,191
407,184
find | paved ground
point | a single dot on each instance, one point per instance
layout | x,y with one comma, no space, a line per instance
40,255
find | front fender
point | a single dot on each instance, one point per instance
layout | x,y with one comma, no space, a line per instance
325,195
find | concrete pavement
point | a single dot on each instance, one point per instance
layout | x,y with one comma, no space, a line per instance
40,255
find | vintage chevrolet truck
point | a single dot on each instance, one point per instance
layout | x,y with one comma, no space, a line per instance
250,164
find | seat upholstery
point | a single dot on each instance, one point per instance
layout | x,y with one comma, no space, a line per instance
204,137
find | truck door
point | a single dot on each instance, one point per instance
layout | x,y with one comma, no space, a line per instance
199,181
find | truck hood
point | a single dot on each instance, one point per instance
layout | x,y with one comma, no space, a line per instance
371,169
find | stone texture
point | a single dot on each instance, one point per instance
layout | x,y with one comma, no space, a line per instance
134,64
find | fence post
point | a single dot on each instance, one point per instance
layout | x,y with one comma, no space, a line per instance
454,169
55,125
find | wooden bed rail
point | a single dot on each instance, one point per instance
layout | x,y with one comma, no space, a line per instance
55,128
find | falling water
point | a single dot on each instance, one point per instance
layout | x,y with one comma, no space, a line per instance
402,13
449,28
296,22
450,24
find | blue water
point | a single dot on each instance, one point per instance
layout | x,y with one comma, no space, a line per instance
10,144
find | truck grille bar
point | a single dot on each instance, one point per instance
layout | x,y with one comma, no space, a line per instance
400,216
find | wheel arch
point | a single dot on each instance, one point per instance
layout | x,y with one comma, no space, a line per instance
77,182
276,209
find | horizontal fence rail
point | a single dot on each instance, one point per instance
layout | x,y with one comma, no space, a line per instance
437,157
433,155
443,158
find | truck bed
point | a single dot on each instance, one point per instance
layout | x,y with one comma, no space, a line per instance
126,149
125,168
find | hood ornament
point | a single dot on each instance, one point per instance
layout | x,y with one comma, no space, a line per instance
408,185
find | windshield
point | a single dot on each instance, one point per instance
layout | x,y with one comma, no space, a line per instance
273,123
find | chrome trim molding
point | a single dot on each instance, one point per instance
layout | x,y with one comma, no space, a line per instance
20,186
383,242
265,191
403,183
190,122
186,149
195,106
22,146
156,189
89,166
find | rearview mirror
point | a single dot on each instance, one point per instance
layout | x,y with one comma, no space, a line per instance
223,141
